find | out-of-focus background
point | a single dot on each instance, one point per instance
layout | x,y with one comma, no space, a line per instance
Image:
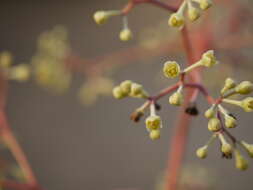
75,146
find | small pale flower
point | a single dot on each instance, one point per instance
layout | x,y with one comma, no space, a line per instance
125,35
193,13
248,147
20,72
176,99
155,134
202,152
229,84
126,86
247,104
118,93
153,122
210,112
205,4
214,124
208,59
171,69
226,149
176,20
240,161
230,122
244,88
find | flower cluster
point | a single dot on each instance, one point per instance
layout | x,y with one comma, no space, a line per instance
101,17
177,19
219,126
20,72
171,69
49,61
129,88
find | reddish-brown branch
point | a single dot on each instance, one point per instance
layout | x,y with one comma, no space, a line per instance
8,184
16,150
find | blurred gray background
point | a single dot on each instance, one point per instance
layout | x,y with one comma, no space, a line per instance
71,146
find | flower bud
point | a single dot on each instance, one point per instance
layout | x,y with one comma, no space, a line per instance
210,113
230,121
136,89
154,134
176,20
126,86
240,162
214,124
227,149
244,88
153,122
118,93
176,99
171,69
20,72
208,59
205,4
202,152
193,13
125,35
101,17
229,84
247,104
5,59
248,147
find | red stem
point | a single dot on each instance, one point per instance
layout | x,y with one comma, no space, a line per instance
16,150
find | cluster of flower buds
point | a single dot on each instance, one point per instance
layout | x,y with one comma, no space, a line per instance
171,69
49,61
216,125
19,72
101,17
177,19
128,88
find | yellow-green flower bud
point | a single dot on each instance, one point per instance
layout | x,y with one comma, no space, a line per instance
176,20
176,99
247,104
118,93
101,17
193,13
125,35
240,162
208,59
210,113
20,72
136,89
230,121
171,69
244,87
202,152
5,59
153,122
229,84
227,149
214,124
126,86
205,4
248,147
155,134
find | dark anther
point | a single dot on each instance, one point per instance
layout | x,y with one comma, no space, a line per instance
157,106
227,156
136,116
232,115
192,109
